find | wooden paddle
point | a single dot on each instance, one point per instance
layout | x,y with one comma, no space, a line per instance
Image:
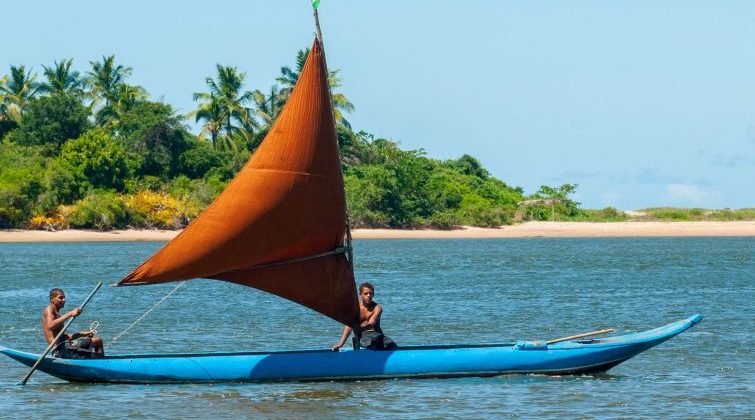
587,334
60,334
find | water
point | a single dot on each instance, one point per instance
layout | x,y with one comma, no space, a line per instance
433,291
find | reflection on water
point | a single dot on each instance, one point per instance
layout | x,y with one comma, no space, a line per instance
433,292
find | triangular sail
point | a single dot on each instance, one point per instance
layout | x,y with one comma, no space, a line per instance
279,226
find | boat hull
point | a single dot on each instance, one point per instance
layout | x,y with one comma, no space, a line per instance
570,357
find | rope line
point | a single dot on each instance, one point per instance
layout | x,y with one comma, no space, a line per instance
337,251
112,341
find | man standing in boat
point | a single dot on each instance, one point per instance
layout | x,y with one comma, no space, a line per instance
76,346
369,318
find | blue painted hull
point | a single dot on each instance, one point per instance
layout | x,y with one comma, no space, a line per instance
569,357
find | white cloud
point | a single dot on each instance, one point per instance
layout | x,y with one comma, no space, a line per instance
690,193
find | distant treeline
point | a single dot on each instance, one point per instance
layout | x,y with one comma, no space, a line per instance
90,150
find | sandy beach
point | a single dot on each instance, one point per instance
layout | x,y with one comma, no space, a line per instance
524,230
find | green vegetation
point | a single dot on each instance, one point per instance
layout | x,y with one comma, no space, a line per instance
696,214
390,187
608,214
89,150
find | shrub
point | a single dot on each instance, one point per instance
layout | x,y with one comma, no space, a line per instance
608,214
667,213
52,120
61,186
371,196
102,210
156,210
49,223
444,220
148,182
20,182
13,210
154,137
231,163
729,214
196,193
478,211
196,161
96,156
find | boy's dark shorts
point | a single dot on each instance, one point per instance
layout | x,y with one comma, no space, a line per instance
377,341
80,348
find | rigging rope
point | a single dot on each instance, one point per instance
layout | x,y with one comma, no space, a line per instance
112,341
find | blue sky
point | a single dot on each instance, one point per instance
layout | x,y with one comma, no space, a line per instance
641,103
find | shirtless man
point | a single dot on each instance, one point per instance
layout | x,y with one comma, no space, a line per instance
79,345
369,318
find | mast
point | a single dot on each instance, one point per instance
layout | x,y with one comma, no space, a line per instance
280,225
317,26
349,249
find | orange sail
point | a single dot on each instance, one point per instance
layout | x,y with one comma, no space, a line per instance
279,226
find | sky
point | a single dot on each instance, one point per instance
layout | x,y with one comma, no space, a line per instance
641,103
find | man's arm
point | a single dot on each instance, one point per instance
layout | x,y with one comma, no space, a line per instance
52,323
374,318
81,334
344,336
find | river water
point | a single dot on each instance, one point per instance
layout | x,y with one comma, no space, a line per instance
432,291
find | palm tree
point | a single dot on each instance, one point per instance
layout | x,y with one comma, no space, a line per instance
107,82
3,104
268,107
126,97
129,95
105,79
16,91
288,79
212,113
340,102
60,79
224,105
249,127
228,90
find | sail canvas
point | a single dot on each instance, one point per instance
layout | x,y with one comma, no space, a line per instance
279,226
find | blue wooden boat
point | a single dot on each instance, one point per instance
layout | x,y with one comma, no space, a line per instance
281,226
563,358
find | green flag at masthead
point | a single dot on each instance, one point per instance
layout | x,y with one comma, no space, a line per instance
315,4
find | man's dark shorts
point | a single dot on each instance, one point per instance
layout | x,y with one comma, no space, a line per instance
377,341
80,348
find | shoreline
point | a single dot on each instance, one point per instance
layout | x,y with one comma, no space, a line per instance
522,230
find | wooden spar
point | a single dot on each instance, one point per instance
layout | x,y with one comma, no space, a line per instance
357,337
357,333
349,249
355,340
317,26
574,337
60,334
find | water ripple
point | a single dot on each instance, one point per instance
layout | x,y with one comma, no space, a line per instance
433,291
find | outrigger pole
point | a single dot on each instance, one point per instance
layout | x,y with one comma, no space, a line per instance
356,337
60,334
583,335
